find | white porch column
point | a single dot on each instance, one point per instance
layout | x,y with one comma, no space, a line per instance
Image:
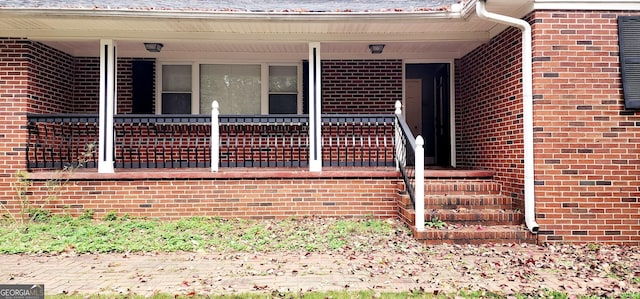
398,134
107,105
215,136
315,109
419,183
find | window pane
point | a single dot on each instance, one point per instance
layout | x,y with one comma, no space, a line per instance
176,103
235,87
283,79
176,78
283,104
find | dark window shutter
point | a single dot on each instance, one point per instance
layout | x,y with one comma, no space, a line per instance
629,39
143,82
305,87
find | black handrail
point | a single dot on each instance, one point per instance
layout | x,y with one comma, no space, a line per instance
405,156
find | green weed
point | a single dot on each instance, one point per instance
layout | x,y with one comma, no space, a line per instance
435,222
56,234
110,216
33,209
87,214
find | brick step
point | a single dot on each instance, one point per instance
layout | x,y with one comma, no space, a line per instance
474,211
405,209
501,234
462,187
484,217
477,217
470,202
404,200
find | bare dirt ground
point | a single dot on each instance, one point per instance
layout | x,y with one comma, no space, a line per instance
396,264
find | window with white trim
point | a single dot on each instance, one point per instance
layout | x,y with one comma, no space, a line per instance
176,89
283,89
238,88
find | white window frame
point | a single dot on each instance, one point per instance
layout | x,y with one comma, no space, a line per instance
195,88
195,83
265,87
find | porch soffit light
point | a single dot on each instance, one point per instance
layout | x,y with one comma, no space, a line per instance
153,47
376,48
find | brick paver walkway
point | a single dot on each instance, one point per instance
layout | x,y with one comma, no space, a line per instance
182,273
503,269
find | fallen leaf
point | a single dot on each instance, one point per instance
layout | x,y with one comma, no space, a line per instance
259,287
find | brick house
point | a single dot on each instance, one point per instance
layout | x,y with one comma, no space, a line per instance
530,138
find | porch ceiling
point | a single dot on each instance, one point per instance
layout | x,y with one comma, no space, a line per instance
275,36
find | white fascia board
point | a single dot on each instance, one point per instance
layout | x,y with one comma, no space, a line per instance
586,5
236,37
235,16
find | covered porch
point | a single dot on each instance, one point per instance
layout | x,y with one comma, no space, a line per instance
324,118
150,107
313,89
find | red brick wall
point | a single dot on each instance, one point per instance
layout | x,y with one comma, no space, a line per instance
16,89
361,86
61,83
587,146
242,198
87,85
489,111
51,80
50,75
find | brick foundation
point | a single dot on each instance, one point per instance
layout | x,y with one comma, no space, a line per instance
259,195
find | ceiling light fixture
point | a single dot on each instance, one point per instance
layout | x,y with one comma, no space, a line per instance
153,47
376,48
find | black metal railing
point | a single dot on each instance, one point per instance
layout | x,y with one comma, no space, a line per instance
162,141
358,140
264,141
405,155
55,141
184,141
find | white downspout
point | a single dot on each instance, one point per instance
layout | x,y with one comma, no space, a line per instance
527,110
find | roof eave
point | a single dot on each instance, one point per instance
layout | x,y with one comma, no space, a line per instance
234,15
